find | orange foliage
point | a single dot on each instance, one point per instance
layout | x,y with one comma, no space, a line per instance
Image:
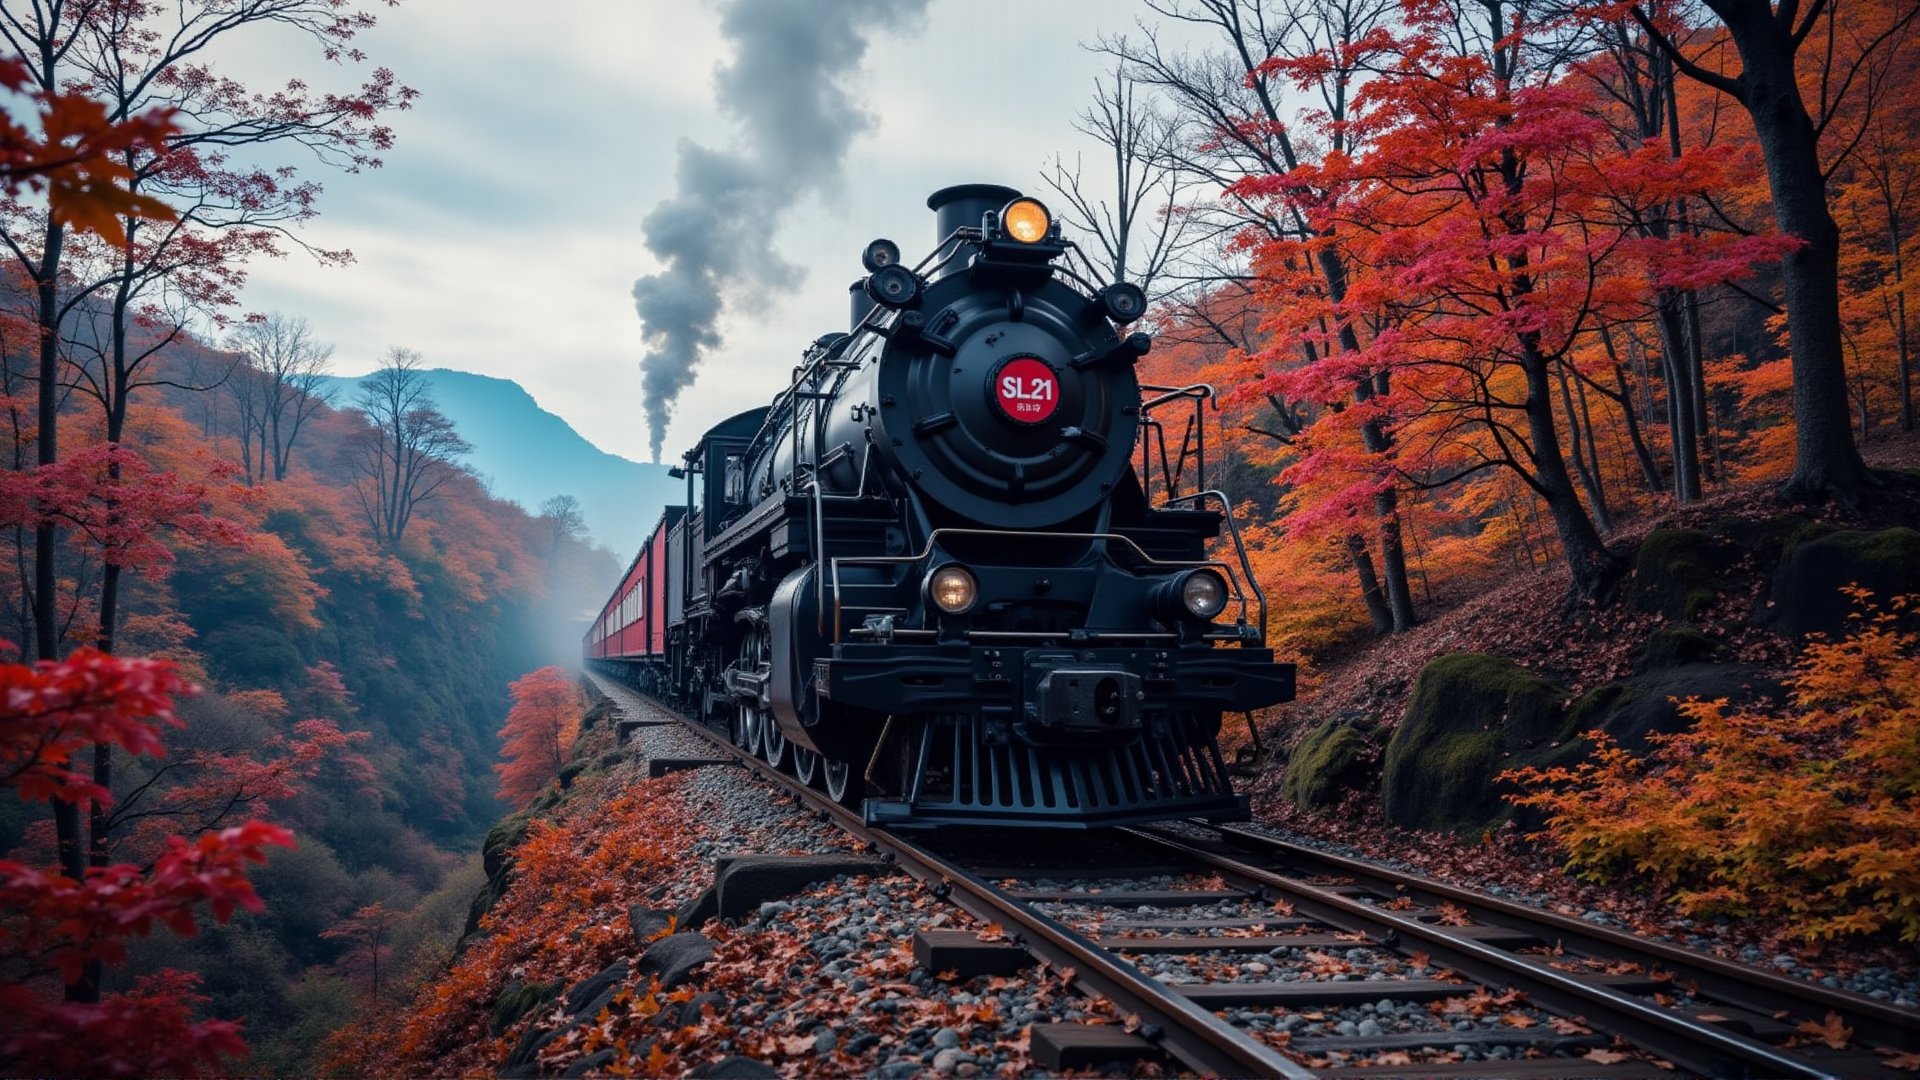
564,917
540,729
1807,813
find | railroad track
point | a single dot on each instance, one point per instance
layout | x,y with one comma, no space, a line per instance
1237,951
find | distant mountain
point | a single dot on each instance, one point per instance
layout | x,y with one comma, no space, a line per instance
529,455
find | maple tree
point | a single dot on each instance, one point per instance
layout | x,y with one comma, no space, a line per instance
1237,137
66,926
207,213
367,929
1478,219
539,731
175,218
1769,41
1542,235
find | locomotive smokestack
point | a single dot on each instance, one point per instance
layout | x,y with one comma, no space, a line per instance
860,302
962,204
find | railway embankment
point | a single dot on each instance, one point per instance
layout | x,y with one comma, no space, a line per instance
697,920
1408,748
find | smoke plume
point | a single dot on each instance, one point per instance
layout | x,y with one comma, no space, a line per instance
787,86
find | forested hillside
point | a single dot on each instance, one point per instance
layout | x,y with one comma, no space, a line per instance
1565,367
353,679
1499,286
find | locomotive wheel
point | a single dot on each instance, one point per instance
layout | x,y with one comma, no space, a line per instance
806,765
773,743
844,785
737,727
753,652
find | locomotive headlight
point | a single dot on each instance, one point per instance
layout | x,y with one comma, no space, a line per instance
1026,220
1123,302
953,589
893,286
1203,593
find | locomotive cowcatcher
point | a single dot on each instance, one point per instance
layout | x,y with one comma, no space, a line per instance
932,577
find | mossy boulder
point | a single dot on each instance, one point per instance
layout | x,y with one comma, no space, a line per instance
1805,597
496,851
1632,709
1335,758
1471,716
1676,646
1766,540
519,998
597,712
1677,572
496,861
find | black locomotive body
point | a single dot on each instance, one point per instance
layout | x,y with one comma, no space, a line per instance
929,575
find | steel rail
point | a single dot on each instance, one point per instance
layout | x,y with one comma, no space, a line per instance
1191,1034
1691,1044
1755,989
1188,1032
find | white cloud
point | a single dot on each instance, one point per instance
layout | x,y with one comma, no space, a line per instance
503,237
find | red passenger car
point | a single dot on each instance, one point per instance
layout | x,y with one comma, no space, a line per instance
632,625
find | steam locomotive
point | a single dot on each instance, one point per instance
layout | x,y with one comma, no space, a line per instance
931,576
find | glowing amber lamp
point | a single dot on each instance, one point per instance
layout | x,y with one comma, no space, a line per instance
1026,221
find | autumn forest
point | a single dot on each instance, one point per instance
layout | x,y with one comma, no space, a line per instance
1559,353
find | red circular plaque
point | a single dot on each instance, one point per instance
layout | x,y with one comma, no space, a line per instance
1027,389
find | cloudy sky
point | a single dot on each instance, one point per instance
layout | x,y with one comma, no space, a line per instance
504,234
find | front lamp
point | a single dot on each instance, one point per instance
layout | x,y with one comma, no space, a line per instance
952,589
1197,594
1026,220
1203,594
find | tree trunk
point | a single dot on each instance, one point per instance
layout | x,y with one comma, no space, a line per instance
1393,552
68,840
1589,477
1593,566
1826,462
1697,381
1903,380
46,611
1680,415
1649,469
1370,585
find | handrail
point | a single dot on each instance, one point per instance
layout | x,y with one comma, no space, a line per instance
1195,437
1240,548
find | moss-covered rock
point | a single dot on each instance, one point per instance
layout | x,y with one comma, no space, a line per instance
518,998
1675,646
1768,539
496,851
596,713
1805,597
1470,715
1632,709
1335,758
1677,572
